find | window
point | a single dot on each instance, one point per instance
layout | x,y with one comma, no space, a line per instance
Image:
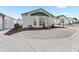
62,21
41,21
34,21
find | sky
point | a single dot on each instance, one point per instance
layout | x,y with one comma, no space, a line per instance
16,11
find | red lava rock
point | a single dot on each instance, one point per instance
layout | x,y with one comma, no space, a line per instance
16,30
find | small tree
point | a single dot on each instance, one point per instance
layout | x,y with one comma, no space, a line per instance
17,25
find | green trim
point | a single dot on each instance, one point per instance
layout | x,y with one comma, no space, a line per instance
39,14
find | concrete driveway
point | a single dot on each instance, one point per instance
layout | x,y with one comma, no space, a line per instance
21,42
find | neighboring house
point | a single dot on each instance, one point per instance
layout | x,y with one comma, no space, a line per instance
56,21
6,22
63,20
70,20
75,20
37,18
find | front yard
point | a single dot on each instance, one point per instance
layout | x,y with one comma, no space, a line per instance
55,40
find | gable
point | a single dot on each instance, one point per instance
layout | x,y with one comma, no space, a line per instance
62,17
39,14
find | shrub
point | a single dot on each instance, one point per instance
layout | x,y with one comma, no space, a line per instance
70,24
52,26
17,25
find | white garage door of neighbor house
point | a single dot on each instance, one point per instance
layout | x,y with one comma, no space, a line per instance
9,24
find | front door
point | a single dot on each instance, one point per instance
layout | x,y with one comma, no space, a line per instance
39,21
42,21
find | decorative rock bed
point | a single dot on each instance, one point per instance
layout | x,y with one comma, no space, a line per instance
56,33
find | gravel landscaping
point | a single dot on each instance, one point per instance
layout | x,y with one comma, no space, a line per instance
57,33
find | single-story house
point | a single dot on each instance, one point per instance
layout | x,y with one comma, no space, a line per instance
70,20
37,18
63,20
6,22
41,18
56,20
75,20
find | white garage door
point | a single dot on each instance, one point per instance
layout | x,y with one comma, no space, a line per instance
9,23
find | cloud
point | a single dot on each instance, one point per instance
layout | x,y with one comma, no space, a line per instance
61,6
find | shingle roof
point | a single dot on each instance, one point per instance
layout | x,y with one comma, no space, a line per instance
6,15
75,18
61,16
37,10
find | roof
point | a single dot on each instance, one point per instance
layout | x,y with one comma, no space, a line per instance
6,15
75,18
37,10
61,16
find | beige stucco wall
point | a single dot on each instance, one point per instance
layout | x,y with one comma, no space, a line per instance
29,20
26,21
56,21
